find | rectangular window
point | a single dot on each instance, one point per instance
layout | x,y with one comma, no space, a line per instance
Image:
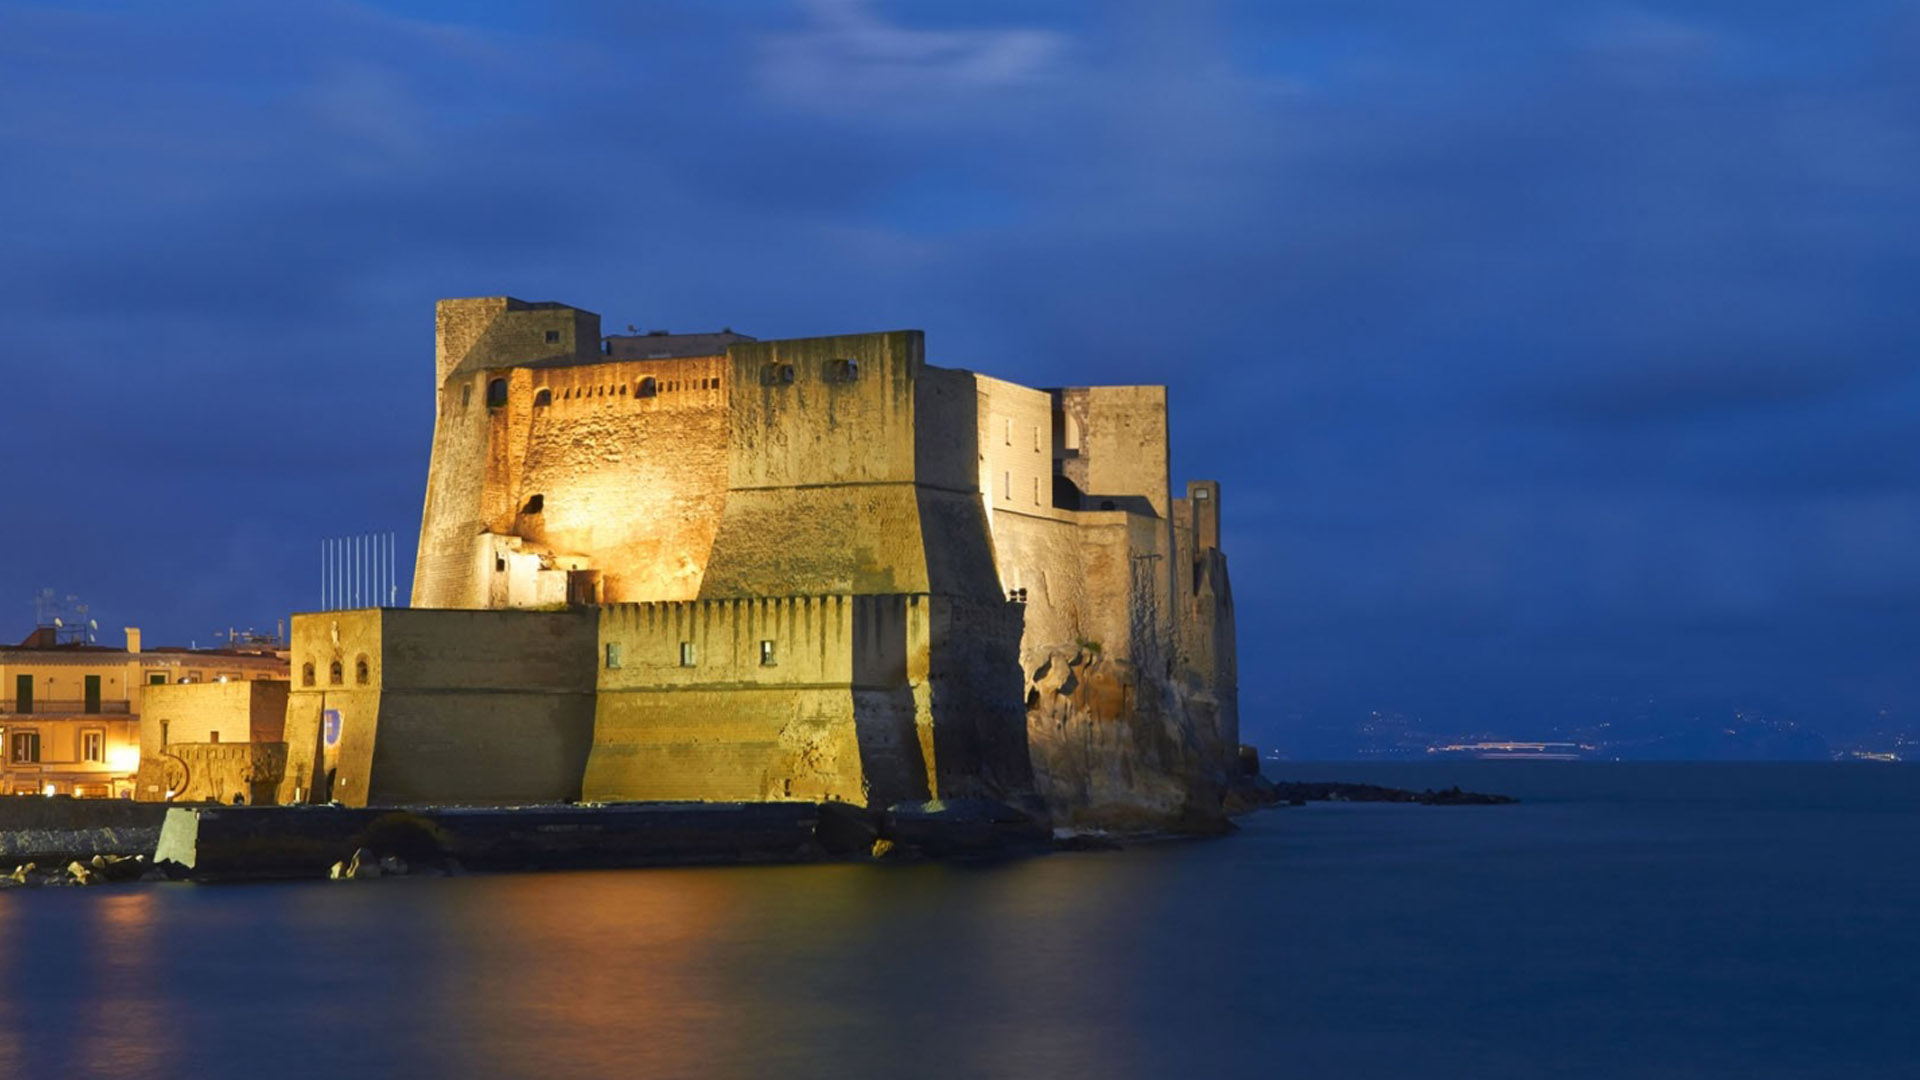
1009,431
23,693
767,657
1036,438
156,679
93,746
213,736
687,656
613,655
26,747
553,337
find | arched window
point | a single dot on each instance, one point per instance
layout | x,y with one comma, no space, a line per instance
543,399
647,388
306,674
361,672
496,393
333,673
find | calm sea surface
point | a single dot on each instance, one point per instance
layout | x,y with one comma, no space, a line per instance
1637,921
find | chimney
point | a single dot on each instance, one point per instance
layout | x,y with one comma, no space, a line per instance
133,639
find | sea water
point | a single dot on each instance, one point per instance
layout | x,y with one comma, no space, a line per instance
1639,921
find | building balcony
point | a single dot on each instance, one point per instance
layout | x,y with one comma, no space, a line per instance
53,707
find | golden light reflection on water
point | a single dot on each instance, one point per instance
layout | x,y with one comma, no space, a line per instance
718,972
122,1027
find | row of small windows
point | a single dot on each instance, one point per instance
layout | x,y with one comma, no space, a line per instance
833,371
690,654
362,673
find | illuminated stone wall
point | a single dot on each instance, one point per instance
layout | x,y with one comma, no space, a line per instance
459,707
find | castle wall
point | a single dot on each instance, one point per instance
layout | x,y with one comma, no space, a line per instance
821,495
459,707
830,717
475,339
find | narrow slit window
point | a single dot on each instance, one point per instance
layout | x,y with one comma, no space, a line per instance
768,657
688,656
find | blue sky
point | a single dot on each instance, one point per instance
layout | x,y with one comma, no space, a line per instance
1557,359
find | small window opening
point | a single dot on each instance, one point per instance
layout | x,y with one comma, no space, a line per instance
647,388
306,675
623,389
553,337
777,374
843,370
1203,494
543,399
362,674
1009,431
613,655
687,655
499,565
767,655
1106,504
466,396
333,673
535,505
1006,485
213,736
496,393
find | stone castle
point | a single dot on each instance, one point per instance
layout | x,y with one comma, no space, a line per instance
704,566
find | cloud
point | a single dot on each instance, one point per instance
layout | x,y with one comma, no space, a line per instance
849,60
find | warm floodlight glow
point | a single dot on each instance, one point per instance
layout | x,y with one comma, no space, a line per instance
48,790
123,758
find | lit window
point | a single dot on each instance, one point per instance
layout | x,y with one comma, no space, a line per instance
767,657
26,747
93,746
687,655
613,654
